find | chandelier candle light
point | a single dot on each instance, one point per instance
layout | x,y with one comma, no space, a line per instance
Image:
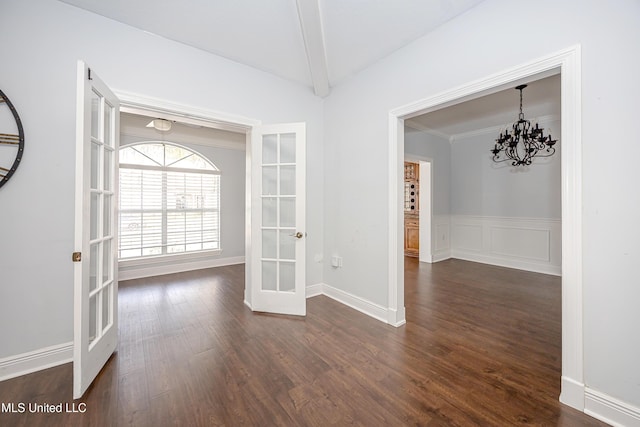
522,142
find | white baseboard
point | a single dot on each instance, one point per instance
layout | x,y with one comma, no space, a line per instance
506,262
369,308
314,290
610,410
441,256
37,360
160,268
396,318
572,393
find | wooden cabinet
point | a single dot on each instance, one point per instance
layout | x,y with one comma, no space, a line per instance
411,187
411,209
411,171
411,235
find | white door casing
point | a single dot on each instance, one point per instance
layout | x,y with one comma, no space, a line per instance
425,216
95,267
278,235
568,63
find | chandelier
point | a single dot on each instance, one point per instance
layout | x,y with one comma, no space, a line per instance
522,142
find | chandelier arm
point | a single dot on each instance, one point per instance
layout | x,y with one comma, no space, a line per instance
550,152
523,142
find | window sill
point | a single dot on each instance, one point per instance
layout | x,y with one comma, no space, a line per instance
163,259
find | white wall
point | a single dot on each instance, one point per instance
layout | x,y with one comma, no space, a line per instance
469,48
42,41
438,149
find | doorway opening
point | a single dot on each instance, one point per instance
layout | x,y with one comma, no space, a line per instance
152,108
418,207
181,204
566,63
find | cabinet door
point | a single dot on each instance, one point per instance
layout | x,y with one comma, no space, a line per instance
411,237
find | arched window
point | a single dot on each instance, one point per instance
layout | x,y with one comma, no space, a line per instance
169,201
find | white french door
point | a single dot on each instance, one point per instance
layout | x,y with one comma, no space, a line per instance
278,219
95,271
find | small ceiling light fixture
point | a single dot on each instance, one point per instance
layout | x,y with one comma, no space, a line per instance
522,142
160,124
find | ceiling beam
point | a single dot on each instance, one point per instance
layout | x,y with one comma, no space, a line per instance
311,26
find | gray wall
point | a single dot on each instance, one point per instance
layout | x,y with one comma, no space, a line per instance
467,181
42,42
484,188
472,47
347,209
425,145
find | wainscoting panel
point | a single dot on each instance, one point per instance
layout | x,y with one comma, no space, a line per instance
467,237
441,244
533,244
508,242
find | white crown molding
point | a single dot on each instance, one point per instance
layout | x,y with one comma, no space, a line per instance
160,108
453,138
422,128
218,143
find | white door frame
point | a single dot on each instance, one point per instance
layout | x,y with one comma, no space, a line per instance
568,63
159,108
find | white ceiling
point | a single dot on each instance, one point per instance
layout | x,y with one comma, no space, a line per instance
318,43
540,98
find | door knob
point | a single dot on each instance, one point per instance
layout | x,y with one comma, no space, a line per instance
298,235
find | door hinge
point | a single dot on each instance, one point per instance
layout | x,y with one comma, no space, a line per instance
89,74
76,257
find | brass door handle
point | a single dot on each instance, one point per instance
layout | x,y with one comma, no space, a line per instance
298,235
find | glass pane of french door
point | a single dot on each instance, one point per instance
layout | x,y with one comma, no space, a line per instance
101,241
278,212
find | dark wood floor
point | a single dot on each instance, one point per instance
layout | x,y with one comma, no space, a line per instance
481,347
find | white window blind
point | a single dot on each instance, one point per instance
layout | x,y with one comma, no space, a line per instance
169,201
